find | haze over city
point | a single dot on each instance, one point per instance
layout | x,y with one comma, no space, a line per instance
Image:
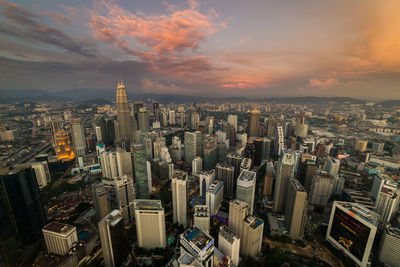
219,48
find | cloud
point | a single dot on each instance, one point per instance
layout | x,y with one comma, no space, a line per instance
323,82
148,85
57,17
25,25
245,40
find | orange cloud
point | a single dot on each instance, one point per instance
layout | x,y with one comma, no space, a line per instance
323,82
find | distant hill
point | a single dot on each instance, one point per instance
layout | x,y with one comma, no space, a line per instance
98,101
390,103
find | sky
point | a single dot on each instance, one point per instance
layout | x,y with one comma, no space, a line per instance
255,48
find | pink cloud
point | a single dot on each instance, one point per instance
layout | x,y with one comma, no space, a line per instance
323,82
57,17
245,40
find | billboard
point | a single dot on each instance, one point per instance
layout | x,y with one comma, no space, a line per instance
350,233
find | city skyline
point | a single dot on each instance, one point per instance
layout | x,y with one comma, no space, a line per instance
267,49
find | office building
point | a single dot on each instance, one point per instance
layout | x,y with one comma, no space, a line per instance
271,129
150,223
378,147
279,140
197,165
42,173
143,120
379,181
124,162
235,160
245,189
156,112
361,145
246,164
238,210
101,200
206,178
198,245
267,147
59,237
113,239
296,209
195,119
229,243
176,149
125,195
109,165
284,173
193,146
214,196
179,197
338,186
201,217
321,189
251,238
123,119
332,167
159,143
209,152
352,229
389,246
301,127
78,137
226,173
253,122
269,179
139,161
232,120
387,203
171,115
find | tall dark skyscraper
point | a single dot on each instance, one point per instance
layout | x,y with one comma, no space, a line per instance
124,121
156,111
22,216
253,122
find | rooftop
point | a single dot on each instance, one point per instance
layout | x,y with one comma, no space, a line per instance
247,178
197,237
360,211
228,234
201,211
57,227
215,187
253,221
147,204
298,185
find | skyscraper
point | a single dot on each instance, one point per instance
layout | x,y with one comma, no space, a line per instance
113,239
150,223
201,217
139,160
209,152
332,167
253,122
252,235
124,121
214,196
143,120
301,127
296,209
279,140
59,237
235,160
124,162
321,189
198,245
193,146
271,129
226,173
125,195
229,243
78,137
101,201
42,173
246,187
179,197
388,201
206,178
156,111
238,210
197,165
283,175
232,120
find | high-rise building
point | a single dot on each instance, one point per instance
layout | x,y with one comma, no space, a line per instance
143,120
246,187
176,149
113,239
229,243
311,169
259,151
199,245
201,217
251,238
124,162
267,147
321,189
156,111
59,237
124,121
388,200
78,137
389,246
284,173
159,143
206,178
361,145
232,120
226,173
197,165
101,201
139,160
192,143
332,167
179,197
253,122
296,209
378,147
279,140
238,210
63,146
109,165
338,185
22,215
125,195
171,116
301,127
209,152
42,173
352,229
269,179
150,223
214,196
195,119
271,129
379,181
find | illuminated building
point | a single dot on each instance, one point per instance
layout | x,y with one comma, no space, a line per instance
64,147
124,121
352,229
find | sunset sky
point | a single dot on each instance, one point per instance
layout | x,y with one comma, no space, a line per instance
209,47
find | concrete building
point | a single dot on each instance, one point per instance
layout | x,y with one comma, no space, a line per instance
59,237
150,223
229,243
389,247
123,117
124,162
238,210
279,140
332,167
179,197
113,239
378,147
197,165
321,189
296,209
193,146
101,201
284,173
361,145
226,173
301,127
42,173
125,195
232,120
139,160
269,179
198,245
338,186
109,166
159,143
253,122
252,236
387,203
206,178
214,196
245,189
201,217
78,137
235,160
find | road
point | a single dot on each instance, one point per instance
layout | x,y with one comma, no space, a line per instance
319,252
